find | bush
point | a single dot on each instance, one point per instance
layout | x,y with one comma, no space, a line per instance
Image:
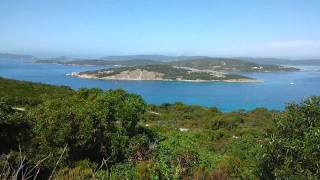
234,168
15,129
90,121
292,146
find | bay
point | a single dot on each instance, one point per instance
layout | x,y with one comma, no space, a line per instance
276,90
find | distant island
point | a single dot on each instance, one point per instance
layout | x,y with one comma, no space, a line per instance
16,56
100,62
181,68
166,68
163,73
195,70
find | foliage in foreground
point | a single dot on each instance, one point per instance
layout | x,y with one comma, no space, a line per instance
292,147
22,93
112,134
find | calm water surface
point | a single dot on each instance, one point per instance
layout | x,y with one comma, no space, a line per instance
274,93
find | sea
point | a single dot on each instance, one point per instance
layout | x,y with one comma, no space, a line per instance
276,90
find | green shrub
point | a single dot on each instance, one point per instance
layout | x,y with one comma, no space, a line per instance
235,168
15,128
90,121
291,148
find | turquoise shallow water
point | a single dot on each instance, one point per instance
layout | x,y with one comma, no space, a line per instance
276,90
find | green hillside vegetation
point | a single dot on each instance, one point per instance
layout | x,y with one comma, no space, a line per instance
22,93
96,134
169,72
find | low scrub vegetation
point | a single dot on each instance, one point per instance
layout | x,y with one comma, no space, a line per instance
58,133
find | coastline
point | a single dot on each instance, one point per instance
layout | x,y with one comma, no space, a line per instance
86,76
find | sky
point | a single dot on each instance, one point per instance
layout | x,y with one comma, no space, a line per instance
93,28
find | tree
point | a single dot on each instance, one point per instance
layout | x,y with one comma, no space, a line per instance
15,129
292,147
94,124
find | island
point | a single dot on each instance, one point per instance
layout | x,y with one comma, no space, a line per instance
162,73
196,69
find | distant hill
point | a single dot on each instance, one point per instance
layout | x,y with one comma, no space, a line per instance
269,61
15,56
202,63
276,61
99,62
132,57
149,57
242,63
229,64
309,62
62,58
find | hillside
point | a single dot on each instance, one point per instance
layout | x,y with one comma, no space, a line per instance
161,72
70,135
26,93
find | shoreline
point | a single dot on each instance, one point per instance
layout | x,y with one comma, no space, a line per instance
86,76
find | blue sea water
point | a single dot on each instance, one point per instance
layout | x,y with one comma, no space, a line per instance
276,90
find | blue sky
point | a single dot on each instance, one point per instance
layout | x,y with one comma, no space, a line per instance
93,28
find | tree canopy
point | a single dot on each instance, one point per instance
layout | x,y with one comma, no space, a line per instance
292,146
